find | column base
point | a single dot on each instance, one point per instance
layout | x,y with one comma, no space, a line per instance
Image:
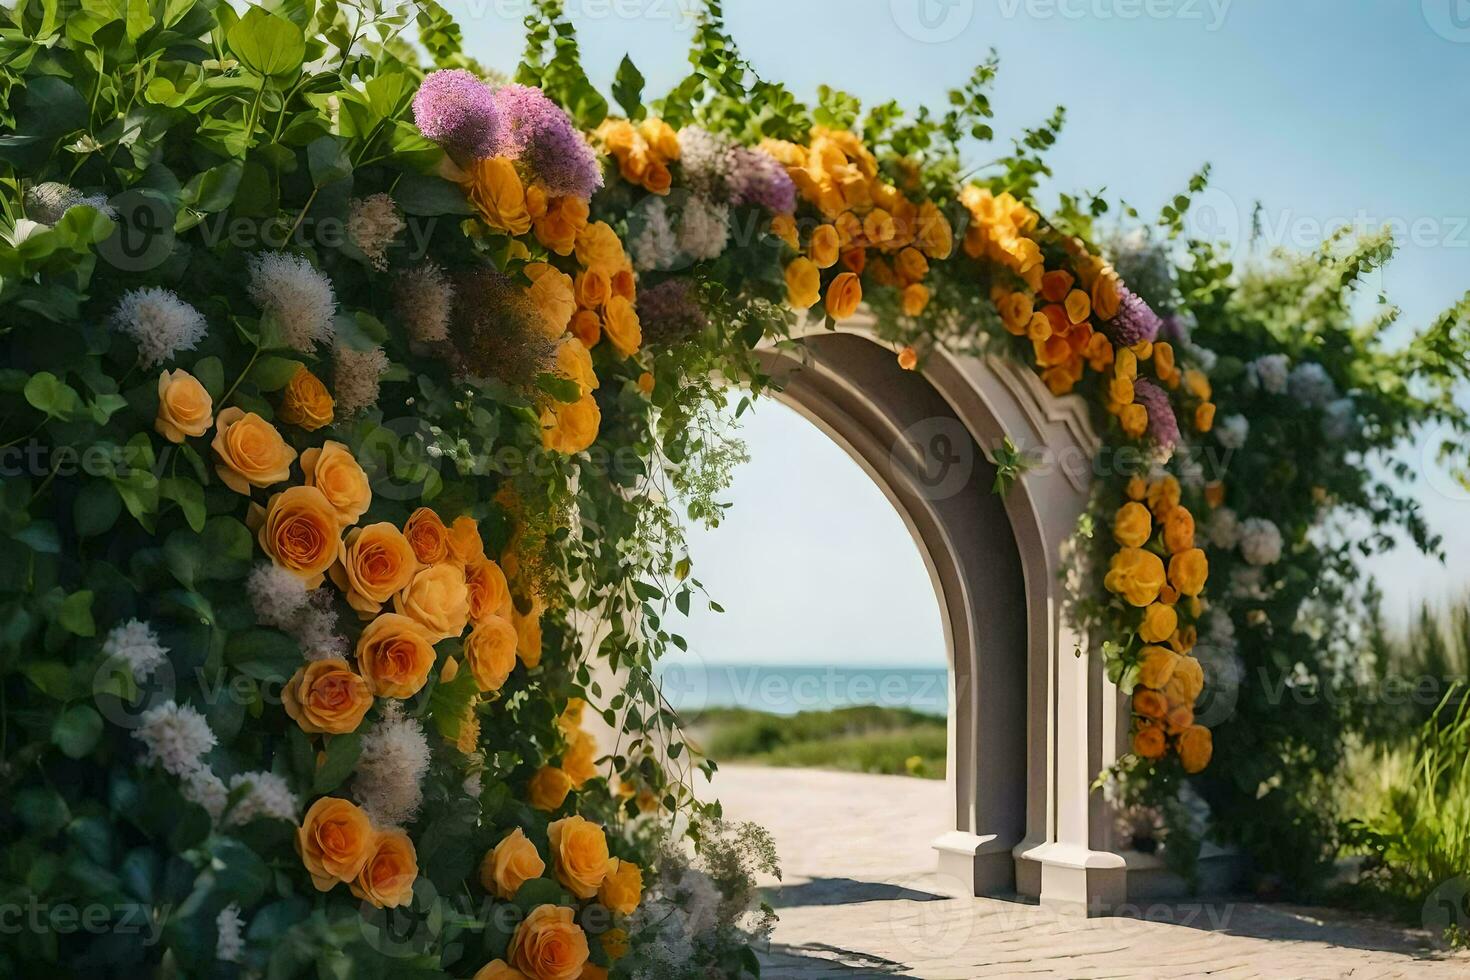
975,864
1072,880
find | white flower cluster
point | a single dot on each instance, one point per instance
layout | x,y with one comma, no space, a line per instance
425,300
706,163
373,222
1232,431
282,601
135,644
175,737
358,375
231,928
264,794
1270,373
1220,630
1340,420
299,297
159,322
655,245
704,229
390,770
48,202
1224,529
1310,385
203,787
1260,541
1248,583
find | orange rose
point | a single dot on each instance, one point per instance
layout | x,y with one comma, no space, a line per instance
1136,575
1159,623
661,138
824,247
495,189
621,327
1163,496
498,970
598,247
1132,525
299,531
326,697
427,536
1188,570
571,428
563,220
335,840
528,636
1196,745
624,284
1105,295
622,889
645,383
1180,717
1156,666
305,401
879,226
552,294
615,943
592,288
1149,742
184,407
465,544
386,880
395,656
375,562
1186,682
490,651
1150,704
915,299
549,945
510,864
908,358
578,854
933,232
843,296
1204,417
251,453
586,326
1179,530
657,179
574,362
334,471
911,265
548,789
1134,419
580,760
489,590
438,599
803,283
783,226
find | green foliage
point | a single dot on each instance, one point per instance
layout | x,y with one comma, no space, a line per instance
894,741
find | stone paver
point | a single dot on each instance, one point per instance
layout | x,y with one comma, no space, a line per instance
860,899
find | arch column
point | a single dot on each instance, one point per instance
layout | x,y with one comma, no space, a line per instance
1032,718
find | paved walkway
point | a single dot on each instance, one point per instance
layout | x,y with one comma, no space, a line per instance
860,899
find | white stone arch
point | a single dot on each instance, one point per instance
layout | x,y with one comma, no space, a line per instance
1032,719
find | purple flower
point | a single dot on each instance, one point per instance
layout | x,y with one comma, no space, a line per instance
535,131
757,178
1162,425
1135,322
457,110
670,312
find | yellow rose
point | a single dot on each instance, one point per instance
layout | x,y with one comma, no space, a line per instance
1121,392
498,970
621,327
489,590
933,232
578,854
1178,718
569,429
592,288
1137,488
1188,571
326,697
1196,745
394,656
645,383
184,407
386,880
549,945
915,299
305,401
510,864
335,840
465,544
250,452
374,563
334,471
1156,665
879,227
1163,354
1105,297
911,265
1150,704
580,760
490,652
1159,623
661,138
599,248
1198,384
528,636
783,226
438,599
1149,742
1134,419
1132,525
623,283
1136,575
299,531
622,889
1179,530
494,188
908,359
843,296
824,247
548,789
803,283
1016,311
562,222
1163,496
552,294
586,326
1078,306
1204,417
574,361
1187,681
615,943
427,536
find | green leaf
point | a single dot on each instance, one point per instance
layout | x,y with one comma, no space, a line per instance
76,730
449,702
430,196
75,614
45,392
328,160
214,189
266,655
341,757
540,891
628,89
267,44
96,508
272,373
210,371
189,495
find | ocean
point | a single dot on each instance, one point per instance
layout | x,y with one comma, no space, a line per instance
786,690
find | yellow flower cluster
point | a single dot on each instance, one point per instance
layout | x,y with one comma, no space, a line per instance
643,152
999,230
338,843
860,213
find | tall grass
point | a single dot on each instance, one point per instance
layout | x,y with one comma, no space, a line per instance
857,739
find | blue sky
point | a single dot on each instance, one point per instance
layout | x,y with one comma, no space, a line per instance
1326,112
